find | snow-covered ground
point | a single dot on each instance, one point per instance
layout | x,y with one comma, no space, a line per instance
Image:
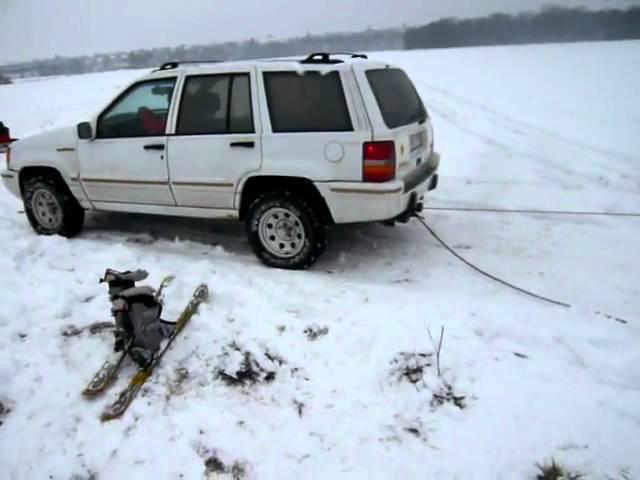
537,127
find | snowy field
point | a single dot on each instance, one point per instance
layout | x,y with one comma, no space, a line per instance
346,384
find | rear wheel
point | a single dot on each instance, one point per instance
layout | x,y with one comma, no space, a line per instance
50,207
285,231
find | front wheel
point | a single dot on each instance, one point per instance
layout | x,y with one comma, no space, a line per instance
50,207
284,231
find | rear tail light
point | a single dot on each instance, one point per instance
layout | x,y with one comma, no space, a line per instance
379,161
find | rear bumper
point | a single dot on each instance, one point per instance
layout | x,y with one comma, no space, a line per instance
351,202
10,181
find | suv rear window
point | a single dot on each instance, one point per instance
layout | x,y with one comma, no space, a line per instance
397,97
309,102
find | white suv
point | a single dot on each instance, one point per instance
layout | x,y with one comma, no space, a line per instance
289,146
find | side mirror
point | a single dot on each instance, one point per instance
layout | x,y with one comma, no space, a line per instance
85,132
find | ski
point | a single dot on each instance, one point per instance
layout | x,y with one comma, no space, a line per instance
166,281
104,377
127,395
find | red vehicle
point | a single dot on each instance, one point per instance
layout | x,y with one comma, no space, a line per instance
5,137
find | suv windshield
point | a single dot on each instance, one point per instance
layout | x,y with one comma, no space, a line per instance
397,98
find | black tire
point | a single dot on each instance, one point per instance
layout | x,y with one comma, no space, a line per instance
71,213
310,225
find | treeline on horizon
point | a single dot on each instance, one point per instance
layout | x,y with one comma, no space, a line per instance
549,25
388,39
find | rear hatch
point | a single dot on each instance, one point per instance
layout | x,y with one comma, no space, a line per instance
404,118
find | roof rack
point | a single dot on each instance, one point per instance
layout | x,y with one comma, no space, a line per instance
175,64
325,57
317,57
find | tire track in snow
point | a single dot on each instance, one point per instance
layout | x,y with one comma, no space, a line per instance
510,151
507,121
601,181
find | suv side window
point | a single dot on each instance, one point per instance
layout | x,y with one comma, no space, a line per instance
216,104
308,102
141,111
240,115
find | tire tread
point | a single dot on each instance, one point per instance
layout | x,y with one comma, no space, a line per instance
73,213
317,234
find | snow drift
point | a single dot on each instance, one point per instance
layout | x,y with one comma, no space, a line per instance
333,373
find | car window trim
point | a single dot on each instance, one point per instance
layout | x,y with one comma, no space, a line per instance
377,97
232,76
351,128
253,124
126,92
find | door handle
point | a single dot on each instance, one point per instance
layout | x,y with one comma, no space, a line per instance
154,146
250,144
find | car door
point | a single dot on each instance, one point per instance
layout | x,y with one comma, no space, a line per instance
216,141
126,160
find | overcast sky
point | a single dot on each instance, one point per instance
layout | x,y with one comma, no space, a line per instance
43,28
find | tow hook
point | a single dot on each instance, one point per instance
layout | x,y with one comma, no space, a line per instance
414,207
405,216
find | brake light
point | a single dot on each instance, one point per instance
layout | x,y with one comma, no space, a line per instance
379,161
